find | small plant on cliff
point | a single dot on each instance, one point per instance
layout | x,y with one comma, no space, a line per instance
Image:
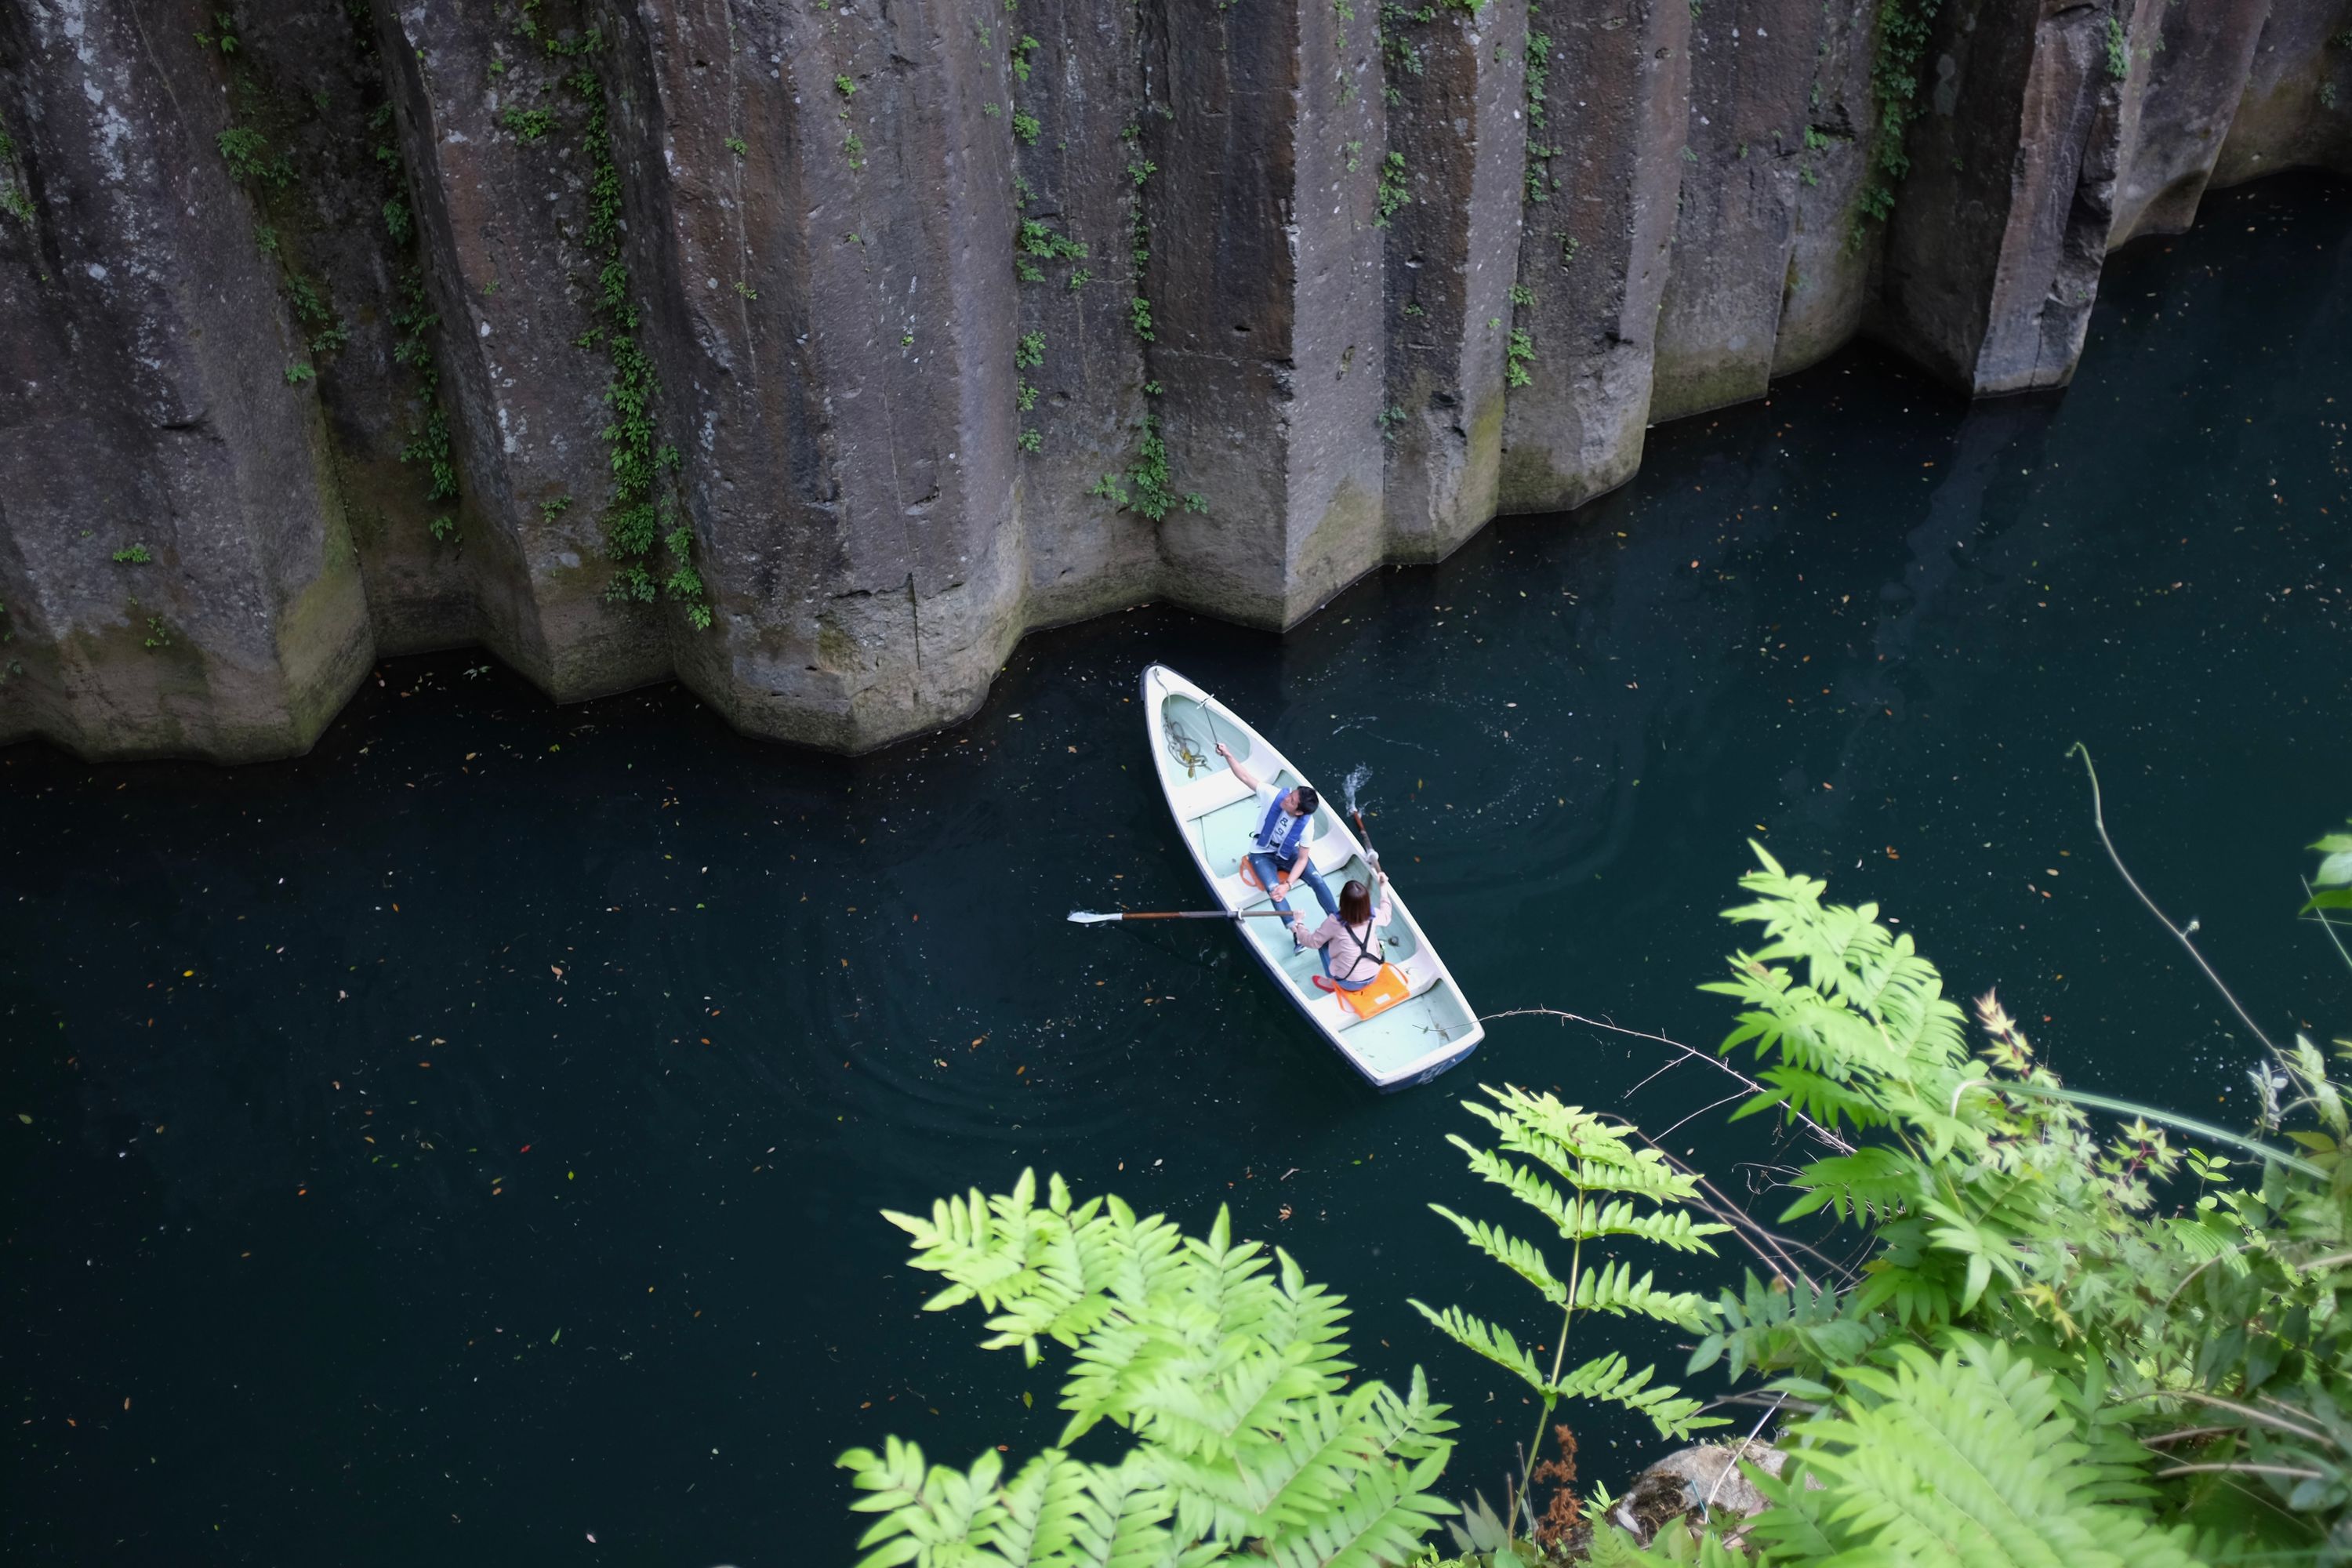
645,516
529,124
1248,1438
2118,51
248,155
1903,30
134,556
1393,191
159,635
1139,313
1538,176
1025,127
1518,354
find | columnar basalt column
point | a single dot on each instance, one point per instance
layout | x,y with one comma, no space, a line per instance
1457,123
893,590
1605,171
2000,228
1265,289
2188,68
1074,119
496,130
176,575
2297,110
1834,251
1752,65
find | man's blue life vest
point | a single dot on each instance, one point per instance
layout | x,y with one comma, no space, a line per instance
1274,839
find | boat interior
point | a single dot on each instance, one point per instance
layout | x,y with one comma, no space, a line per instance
1220,813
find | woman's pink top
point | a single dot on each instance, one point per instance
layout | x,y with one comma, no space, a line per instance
1350,960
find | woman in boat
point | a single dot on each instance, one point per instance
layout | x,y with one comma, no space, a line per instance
1348,941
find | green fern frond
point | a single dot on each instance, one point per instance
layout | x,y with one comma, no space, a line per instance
1613,1289
1379,1522
1969,1457
1874,1182
1522,1258
1608,1378
1494,1342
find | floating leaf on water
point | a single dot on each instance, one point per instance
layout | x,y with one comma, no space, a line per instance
555,1336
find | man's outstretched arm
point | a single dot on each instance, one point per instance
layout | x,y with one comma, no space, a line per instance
1233,763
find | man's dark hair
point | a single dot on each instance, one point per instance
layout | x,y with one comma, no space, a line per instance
1308,799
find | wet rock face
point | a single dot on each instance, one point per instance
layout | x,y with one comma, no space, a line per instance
811,350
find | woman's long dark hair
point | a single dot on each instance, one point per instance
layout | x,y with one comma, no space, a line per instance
1355,904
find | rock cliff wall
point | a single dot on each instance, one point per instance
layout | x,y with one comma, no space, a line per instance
811,351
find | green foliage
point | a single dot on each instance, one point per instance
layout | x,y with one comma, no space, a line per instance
737,145
1036,241
1905,28
248,155
1522,296
397,221
1020,53
443,528
1247,1440
1029,441
159,635
843,85
224,34
1393,192
1029,352
2118,51
1538,178
1973,1452
1590,1184
1518,354
2032,1326
642,515
297,373
528,124
1138,317
133,555
1025,127
1144,489
2330,887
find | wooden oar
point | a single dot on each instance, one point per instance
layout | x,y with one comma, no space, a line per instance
1364,834
1089,917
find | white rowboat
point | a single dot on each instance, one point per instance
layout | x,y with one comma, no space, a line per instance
1409,1043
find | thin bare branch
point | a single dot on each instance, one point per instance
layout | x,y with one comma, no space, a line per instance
1691,1052
2179,933
2240,1469
2249,1412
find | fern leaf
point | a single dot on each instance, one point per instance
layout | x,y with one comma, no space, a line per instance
1969,1457
1381,1521
1608,1377
1522,1258
1492,1343
1613,1289
1874,1182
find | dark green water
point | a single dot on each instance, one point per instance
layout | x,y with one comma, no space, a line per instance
343,1228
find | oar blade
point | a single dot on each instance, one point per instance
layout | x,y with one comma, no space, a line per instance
1089,917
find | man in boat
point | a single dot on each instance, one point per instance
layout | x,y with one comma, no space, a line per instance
1277,852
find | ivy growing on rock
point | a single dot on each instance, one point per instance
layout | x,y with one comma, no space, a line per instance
644,525
1904,28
